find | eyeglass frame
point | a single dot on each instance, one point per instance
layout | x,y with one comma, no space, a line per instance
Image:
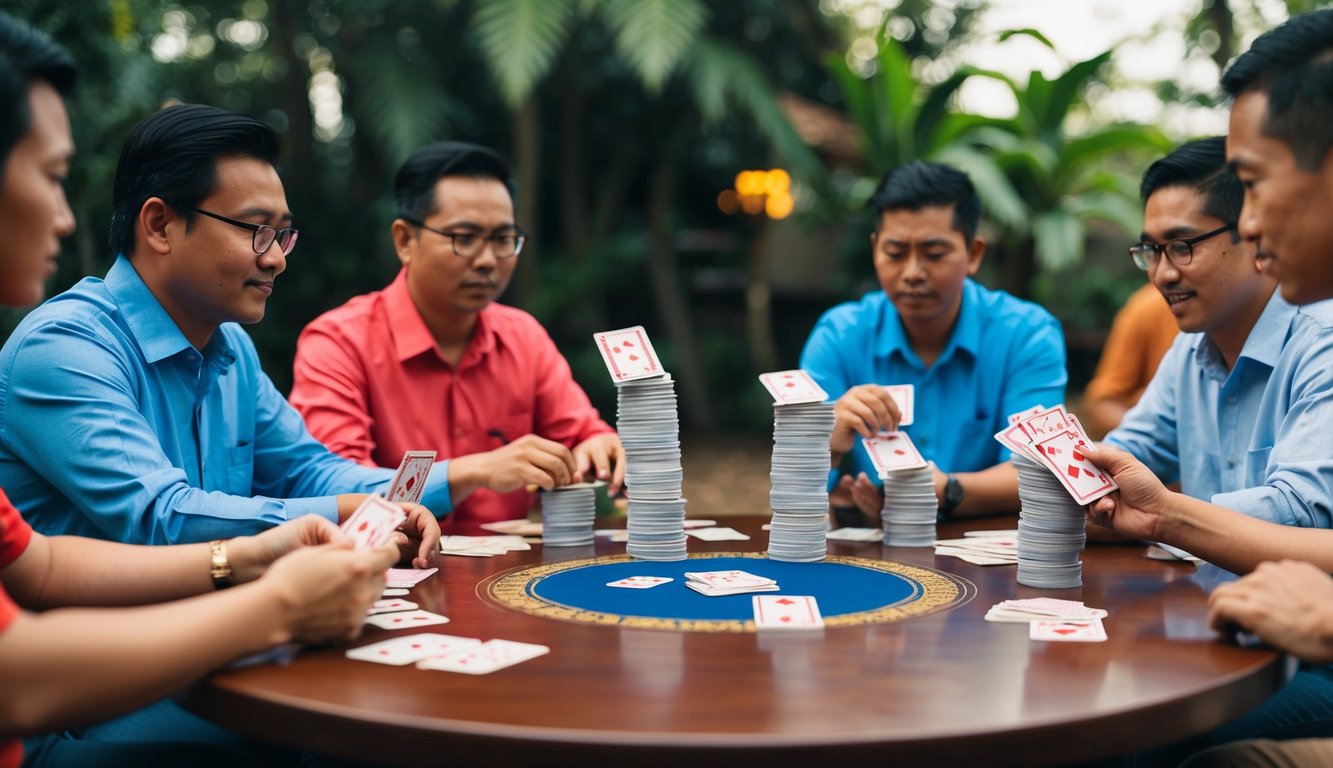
520,237
1160,250
255,230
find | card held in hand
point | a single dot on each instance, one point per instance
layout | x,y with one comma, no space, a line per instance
904,396
892,451
1062,454
792,387
373,523
410,479
628,354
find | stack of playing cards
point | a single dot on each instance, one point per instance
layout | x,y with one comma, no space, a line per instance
723,583
982,547
568,515
1055,481
649,428
802,423
1061,621
910,507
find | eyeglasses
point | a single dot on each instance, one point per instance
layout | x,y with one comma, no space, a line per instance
264,235
469,244
1179,252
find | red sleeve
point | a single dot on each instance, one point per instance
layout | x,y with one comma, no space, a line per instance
564,412
329,391
14,532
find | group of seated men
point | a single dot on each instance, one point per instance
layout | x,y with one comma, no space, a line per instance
135,411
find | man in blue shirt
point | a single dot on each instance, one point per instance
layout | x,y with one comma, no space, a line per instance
974,355
1239,409
134,408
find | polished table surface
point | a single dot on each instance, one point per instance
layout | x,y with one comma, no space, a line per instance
939,689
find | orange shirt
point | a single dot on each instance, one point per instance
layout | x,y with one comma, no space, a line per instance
371,384
14,537
1140,335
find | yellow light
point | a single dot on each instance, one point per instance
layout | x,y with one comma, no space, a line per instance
779,206
728,202
777,182
752,204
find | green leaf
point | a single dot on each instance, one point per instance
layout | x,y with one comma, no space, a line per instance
999,199
520,39
1066,88
414,112
856,90
653,36
1059,239
1121,211
1027,32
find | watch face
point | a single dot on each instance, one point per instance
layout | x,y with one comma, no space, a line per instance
953,492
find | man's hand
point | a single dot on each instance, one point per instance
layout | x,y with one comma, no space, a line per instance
864,495
864,410
418,537
250,556
1288,604
529,460
604,454
1137,509
325,591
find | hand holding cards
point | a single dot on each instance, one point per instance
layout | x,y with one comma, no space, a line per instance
1054,439
373,523
410,479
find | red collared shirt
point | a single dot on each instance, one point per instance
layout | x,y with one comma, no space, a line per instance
14,537
371,384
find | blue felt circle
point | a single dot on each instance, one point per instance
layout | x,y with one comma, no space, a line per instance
838,588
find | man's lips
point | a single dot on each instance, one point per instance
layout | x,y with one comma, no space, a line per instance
263,285
1176,297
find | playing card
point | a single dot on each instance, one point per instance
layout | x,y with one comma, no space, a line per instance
488,657
407,577
639,582
708,591
1062,454
373,523
1046,423
717,534
1068,631
395,592
399,651
893,451
729,578
904,395
410,479
792,387
1016,439
855,534
786,612
405,619
628,354
392,604
1014,418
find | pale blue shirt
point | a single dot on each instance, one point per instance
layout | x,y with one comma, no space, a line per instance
1004,355
1257,438
115,427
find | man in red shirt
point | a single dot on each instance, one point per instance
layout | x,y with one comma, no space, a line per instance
431,363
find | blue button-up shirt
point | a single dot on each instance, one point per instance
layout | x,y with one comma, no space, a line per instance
1004,355
115,427
1257,438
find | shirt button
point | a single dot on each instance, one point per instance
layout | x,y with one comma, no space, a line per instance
924,440
1231,462
1231,400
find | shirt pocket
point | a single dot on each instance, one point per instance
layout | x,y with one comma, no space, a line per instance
1256,466
241,470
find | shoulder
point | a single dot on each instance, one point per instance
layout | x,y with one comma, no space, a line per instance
860,316
513,324
84,311
356,312
1002,311
1315,318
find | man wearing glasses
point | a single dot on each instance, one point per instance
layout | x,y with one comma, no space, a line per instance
134,407
432,363
1233,410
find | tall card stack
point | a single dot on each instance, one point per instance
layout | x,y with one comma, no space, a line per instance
911,508
649,428
1051,531
799,473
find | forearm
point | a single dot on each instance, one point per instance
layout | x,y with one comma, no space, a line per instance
73,666
1238,542
992,491
1104,415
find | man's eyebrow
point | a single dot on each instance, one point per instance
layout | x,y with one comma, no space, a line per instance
465,224
265,213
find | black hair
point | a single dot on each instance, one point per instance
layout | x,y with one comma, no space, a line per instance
414,184
27,55
1202,165
1293,65
172,154
918,185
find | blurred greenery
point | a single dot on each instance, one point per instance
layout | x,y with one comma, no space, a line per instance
624,120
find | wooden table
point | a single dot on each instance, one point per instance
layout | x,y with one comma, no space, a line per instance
939,689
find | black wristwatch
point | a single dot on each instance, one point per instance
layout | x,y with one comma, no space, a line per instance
953,496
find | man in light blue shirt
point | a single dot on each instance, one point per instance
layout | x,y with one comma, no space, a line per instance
974,355
134,408
1239,410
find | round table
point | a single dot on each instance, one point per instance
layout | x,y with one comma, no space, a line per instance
941,688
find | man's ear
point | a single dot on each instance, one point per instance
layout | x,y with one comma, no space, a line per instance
156,224
976,253
404,241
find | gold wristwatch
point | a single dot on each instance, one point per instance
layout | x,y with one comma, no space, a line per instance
220,568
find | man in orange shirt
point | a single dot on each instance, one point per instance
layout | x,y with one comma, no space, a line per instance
431,363
1140,336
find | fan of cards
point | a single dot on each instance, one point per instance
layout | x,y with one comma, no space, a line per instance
1054,439
376,519
1062,621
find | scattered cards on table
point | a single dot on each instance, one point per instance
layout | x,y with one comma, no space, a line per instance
723,583
468,655
792,387
1064,631
856,534
373,523
1042,609
482,546
717,534
786,612
410,479
405,578
406,619
400,651
639,582
995,548
515,527
391,604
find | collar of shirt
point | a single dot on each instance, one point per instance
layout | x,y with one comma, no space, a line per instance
411,335
966,333
156,334
1263,345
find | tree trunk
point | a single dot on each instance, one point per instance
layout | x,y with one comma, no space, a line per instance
1219,13
759,304
664,276
1020,267
527,162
